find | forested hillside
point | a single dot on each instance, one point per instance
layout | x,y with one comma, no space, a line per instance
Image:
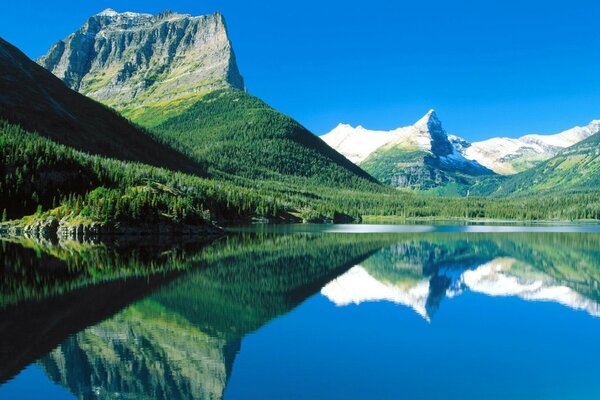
238,134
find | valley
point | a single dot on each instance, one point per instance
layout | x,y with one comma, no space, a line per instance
142,123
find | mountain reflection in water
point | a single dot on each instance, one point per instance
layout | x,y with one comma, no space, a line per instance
174,331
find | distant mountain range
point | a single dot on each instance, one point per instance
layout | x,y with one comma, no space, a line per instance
508,156
424,157
575,167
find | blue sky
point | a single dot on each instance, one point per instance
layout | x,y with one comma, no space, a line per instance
509,68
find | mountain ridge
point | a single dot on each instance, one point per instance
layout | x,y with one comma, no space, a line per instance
508,156
574,168
503,155
217,124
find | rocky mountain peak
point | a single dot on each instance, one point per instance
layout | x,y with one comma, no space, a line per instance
431,128
128,60
429,122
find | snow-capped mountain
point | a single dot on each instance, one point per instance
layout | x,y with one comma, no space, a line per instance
356,144
509,155
419,156
502,155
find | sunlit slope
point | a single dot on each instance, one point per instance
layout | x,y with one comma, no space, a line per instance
575,168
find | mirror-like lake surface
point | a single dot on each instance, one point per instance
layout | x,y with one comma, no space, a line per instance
306,312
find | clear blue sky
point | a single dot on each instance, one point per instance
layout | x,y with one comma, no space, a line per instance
508,68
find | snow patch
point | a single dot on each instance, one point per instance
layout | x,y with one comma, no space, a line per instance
357,286
495,278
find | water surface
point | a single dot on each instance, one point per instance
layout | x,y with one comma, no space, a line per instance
332,312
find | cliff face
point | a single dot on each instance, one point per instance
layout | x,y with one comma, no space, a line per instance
127,60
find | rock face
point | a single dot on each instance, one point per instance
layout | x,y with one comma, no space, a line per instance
38,101
127,59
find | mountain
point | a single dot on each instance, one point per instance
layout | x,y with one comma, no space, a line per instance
420,156
509,156
172,358
177,76
140,63
574,168
38,101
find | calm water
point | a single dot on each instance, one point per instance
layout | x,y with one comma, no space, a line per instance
318,312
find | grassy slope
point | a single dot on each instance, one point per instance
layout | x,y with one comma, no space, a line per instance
575,168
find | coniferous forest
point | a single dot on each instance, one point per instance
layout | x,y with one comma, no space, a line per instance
39,176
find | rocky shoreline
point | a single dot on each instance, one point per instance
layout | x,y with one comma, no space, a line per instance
52,228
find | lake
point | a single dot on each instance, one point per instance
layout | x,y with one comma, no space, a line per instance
306,312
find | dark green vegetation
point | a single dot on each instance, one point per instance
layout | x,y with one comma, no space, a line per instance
238,134
38,270
38,101
39,174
